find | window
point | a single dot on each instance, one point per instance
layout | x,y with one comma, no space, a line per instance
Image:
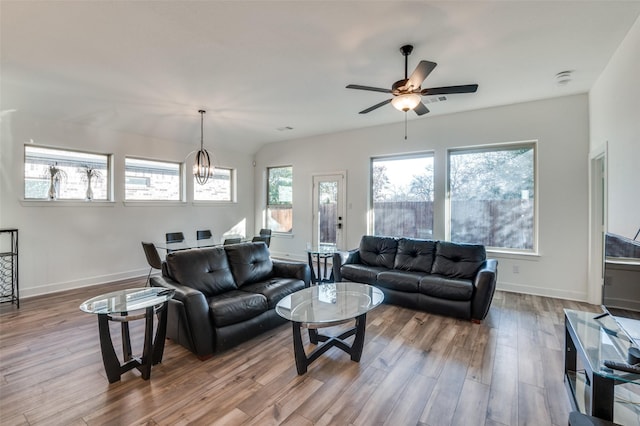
219,187
491,196
280,199
402,196
152,180
65,175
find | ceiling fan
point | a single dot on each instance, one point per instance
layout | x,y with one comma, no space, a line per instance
407,92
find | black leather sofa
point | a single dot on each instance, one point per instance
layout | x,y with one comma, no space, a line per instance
436,276
226,295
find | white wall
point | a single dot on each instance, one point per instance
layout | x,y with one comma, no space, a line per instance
561,127
73,244
614,106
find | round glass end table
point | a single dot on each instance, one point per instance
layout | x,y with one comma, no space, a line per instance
124,306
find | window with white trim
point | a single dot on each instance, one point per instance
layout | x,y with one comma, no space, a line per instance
402,195
151,180
492,196
58,174
219,187
280,199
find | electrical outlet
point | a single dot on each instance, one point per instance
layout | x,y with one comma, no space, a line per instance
516,269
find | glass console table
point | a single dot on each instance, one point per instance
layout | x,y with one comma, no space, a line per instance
590,339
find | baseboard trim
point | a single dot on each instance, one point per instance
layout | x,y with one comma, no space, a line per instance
109,278
578,296
25,293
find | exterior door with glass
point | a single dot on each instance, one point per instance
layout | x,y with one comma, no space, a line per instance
328,210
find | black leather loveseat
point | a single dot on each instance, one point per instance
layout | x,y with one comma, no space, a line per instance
436,276
226,295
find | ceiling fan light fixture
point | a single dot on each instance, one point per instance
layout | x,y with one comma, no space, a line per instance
202,168
406,102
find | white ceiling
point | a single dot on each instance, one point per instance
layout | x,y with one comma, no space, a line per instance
146,67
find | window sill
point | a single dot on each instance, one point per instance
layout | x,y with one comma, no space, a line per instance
505,254
208,203
282,234
66,203
153,203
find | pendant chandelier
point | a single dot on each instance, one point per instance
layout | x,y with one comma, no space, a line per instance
202,168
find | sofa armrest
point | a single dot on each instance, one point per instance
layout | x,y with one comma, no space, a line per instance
289,269
343,258
196,314
484,287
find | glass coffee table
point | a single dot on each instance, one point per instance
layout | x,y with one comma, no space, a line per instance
124,306
326,305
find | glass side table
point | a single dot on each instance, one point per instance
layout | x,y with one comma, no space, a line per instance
320,255
124,306
590,339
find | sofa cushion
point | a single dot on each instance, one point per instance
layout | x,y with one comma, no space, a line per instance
456,260
249,262
206,270
378,251
415,255
446,288
361,273
400,280
275,289
236,306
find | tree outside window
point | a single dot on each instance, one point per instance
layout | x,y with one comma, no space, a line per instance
280,199
491,195
402,196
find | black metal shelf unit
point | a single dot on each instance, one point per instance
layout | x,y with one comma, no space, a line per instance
9,266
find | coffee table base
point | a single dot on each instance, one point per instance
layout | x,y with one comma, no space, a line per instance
355,349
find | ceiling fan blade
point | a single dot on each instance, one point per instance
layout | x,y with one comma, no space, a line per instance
373,89
421,72
421,109
467,88
376,106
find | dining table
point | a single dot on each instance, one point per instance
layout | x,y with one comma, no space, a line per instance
190,244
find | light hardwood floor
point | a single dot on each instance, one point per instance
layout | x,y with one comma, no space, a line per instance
416,369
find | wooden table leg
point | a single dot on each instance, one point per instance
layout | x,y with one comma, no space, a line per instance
298,349
109,357
161,333
147,351
126,339
358,343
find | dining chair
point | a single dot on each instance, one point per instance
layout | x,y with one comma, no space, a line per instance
173,237
264,232
260,238
203,234
228,241
153,258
